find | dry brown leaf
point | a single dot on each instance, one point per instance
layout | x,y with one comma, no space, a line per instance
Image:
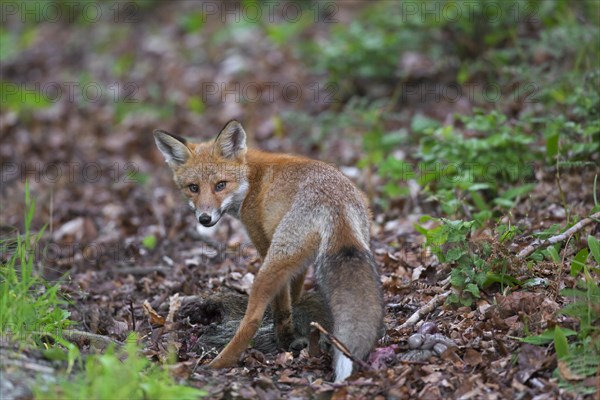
432,378
174,305
284,358
241,283
286,378
473,357
339,394
531,356
154,317
565,372
118,328
182,370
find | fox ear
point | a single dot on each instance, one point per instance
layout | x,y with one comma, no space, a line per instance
172,147
232,140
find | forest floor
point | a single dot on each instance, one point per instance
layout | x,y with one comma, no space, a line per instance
128,256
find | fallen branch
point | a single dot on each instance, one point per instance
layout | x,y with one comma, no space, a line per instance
99,341
340,346
426,309
537,244
76,336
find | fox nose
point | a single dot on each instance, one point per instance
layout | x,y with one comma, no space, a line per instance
204,219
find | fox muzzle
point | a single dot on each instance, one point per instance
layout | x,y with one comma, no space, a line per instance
206,220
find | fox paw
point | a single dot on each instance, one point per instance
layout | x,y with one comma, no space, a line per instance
291,341
298,344
222,362
284,338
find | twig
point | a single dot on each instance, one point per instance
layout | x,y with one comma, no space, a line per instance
537,244
132,313
336,342
74,335
561,266
105,341
430,306
426,309
563,198
445,283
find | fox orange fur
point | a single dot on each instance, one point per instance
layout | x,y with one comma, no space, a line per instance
297,212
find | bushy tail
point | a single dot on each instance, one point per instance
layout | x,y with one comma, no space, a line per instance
350,283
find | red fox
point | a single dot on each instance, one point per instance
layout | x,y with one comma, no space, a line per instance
298,212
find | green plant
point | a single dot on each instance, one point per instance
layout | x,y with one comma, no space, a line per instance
475,266
485,167
586,306
125,109
493,155
149,242
19,97
107,376
32,310
484,37
581,356
578,367
283,33
29,306
368,47
472,170
192,22
573,138
11,43
196,104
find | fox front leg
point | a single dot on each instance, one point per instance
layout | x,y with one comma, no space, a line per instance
273,277
257,304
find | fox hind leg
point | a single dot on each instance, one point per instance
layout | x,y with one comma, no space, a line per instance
280,265
283,308
297,286
282,318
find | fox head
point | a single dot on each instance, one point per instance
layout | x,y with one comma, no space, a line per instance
212,175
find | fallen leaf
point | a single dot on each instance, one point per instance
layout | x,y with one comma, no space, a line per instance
565,372
241,283
473,357
284,358
292,379
174,306
154,317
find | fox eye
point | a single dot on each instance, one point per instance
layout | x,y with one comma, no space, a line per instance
193,188
220,186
